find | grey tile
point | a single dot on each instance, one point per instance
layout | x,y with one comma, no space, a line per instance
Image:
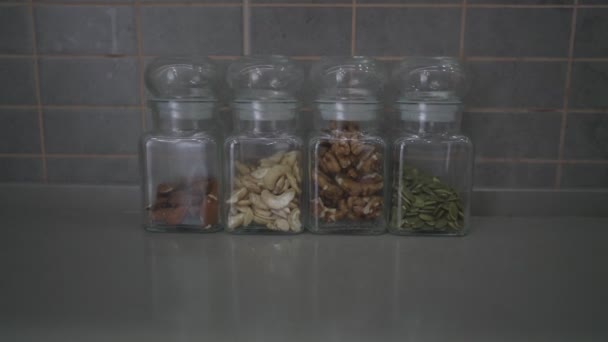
85,29
518,32
589,85
89,81
514,135
592,2
517,84
84,1
96,131
15,30
585,176
17,85
408,31
523,2
591,28
192,30
19,131
20,169
514,175
93,170
586,136
301,31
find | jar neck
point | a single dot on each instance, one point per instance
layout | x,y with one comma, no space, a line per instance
179,116
430,118
264,117
348,116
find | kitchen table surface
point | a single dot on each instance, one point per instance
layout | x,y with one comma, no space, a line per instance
94,275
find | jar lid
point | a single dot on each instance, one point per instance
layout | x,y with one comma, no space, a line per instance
430,79
348,79
181,78
430,112
264,78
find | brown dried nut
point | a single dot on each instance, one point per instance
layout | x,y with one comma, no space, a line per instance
340,148
280,201
273,175
282,224
369,165
159,214
235,221
344,161
328,189
352,173
322,212
290,158
237,195
342,209
372,178
329,163
354,188
209,211
164,188
373,207
294,220
179,198
174,216
200,187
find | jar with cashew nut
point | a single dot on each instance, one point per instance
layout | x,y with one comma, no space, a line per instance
263,156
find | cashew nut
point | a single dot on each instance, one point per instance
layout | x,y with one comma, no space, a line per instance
235,220
237,196
282,224
272,176
257,201
248,214
294,220
290,158
242,168
260,173
293,183
280,201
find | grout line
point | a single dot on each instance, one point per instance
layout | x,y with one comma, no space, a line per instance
514,59
246,27
419,5
353,29
343,5
484,160
38,92
463,27
511,110
131,3
20,155
567,85
140,63
82,155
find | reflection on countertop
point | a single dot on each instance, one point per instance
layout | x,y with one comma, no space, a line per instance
89,276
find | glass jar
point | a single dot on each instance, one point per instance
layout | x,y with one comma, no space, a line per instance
432,171
347,192
263,166
180,155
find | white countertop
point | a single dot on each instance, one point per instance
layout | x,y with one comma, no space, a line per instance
85,275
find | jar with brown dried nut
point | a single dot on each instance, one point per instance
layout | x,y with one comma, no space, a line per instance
347,174
179,155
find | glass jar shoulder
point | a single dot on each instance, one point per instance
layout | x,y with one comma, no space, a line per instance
320,138
287,139
170,137
439,139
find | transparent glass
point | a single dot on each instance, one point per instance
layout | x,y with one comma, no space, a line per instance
432,177
263,176
347,177
352,78
425,79
180,170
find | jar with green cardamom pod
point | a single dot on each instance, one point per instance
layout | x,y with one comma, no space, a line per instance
433,160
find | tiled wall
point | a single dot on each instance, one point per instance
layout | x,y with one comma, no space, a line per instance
72,102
